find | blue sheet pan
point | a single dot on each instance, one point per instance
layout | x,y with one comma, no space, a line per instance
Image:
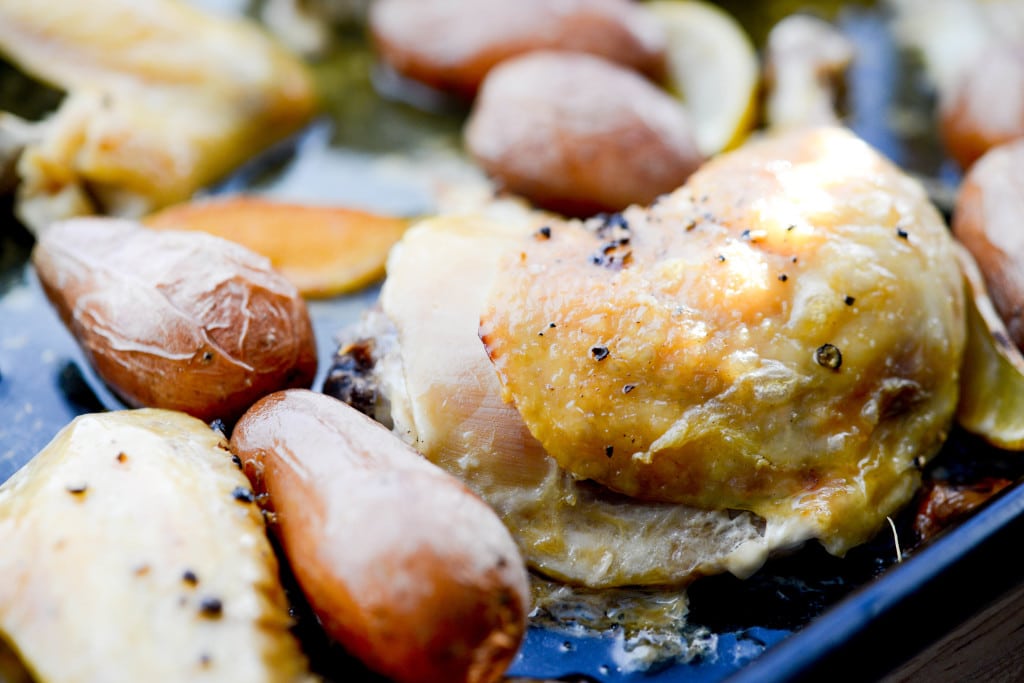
808,616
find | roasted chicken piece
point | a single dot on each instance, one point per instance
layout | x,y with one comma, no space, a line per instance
781,335
417,364
162,100
133,551
763,357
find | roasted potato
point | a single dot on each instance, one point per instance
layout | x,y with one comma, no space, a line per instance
452,44
578,134
986,221
178,320
985,107
323,250
404,566
133,551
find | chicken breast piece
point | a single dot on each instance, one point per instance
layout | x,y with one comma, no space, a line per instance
133,551
781,335
162,100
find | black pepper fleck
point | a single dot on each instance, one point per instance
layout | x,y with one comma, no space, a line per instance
219,426
238,461
628,388
828,356
721,259
901,233
849,300
599,352
790,228
207,356
190,577
242,494
77,489
609,451
544,233
745,235
690,225
211,608
783,277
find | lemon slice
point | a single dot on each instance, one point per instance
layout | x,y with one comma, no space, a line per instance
713,67
992,376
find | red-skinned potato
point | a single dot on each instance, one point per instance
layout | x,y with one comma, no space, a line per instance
452,44
402,564
986,106
578,134
987,221
178,320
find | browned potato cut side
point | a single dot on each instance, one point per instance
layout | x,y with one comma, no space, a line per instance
404,566
578,134
324,251
177,320
133,552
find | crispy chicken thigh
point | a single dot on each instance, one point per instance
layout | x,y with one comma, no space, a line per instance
781,335
162,100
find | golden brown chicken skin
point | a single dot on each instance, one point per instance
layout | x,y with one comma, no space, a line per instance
163,99
782,335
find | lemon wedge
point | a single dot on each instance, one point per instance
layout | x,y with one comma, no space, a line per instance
713,67
992,377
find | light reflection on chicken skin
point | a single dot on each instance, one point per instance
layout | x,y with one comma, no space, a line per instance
782,335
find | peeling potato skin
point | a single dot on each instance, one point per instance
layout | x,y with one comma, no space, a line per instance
986,221
580,135
452,44
176,320
403,565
